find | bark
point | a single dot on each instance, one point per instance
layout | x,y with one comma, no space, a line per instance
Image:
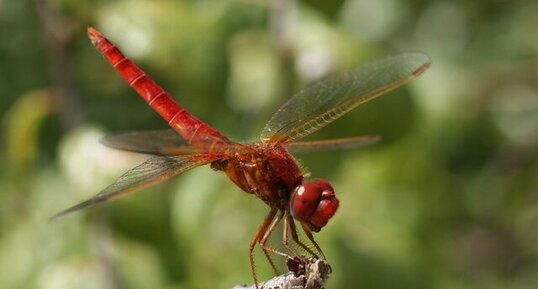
314,276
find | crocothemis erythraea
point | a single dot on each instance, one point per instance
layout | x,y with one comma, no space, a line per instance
264,169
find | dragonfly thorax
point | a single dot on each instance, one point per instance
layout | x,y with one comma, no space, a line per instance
274,176
270,173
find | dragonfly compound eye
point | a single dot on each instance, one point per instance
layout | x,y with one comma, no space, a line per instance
313,204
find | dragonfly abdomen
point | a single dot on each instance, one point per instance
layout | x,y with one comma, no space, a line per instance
190,128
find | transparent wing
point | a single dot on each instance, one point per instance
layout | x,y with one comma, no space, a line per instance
332,144
164,142
325,101
152,171
160,142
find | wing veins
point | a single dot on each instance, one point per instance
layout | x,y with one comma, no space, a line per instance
150,172
332,144
323,102
333,113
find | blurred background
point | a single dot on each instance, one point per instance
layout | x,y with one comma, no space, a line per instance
448,199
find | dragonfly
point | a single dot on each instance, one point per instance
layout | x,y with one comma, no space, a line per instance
265,169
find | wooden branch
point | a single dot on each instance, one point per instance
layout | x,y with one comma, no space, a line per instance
58,36
314,276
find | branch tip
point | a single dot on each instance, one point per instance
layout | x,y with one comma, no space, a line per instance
314,276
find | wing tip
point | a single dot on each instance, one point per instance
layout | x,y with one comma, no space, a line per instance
424,60
421,69
59,215
75,208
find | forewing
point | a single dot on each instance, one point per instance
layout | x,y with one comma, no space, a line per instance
164,142
323,102
152,171
331,144
160,142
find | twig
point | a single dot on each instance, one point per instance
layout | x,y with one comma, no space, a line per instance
58,38
314,277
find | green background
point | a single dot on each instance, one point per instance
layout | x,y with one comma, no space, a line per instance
448,199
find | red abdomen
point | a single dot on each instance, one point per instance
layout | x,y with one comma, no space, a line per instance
194,131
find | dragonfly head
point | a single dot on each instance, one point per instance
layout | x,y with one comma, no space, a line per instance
313,204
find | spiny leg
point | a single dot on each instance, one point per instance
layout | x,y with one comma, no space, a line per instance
264,239
259,233
289,222
285,241
310,237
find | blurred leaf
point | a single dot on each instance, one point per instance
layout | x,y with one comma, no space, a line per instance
23,122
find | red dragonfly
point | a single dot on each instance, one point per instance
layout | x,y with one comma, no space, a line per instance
264,169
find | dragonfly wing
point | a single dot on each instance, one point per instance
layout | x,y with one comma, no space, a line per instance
152,171
323,102
332,144
159,142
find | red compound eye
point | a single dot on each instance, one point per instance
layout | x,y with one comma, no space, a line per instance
313,204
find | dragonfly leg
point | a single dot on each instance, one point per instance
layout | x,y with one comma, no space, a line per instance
260,232
266,249
310,237
288,222
285,241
